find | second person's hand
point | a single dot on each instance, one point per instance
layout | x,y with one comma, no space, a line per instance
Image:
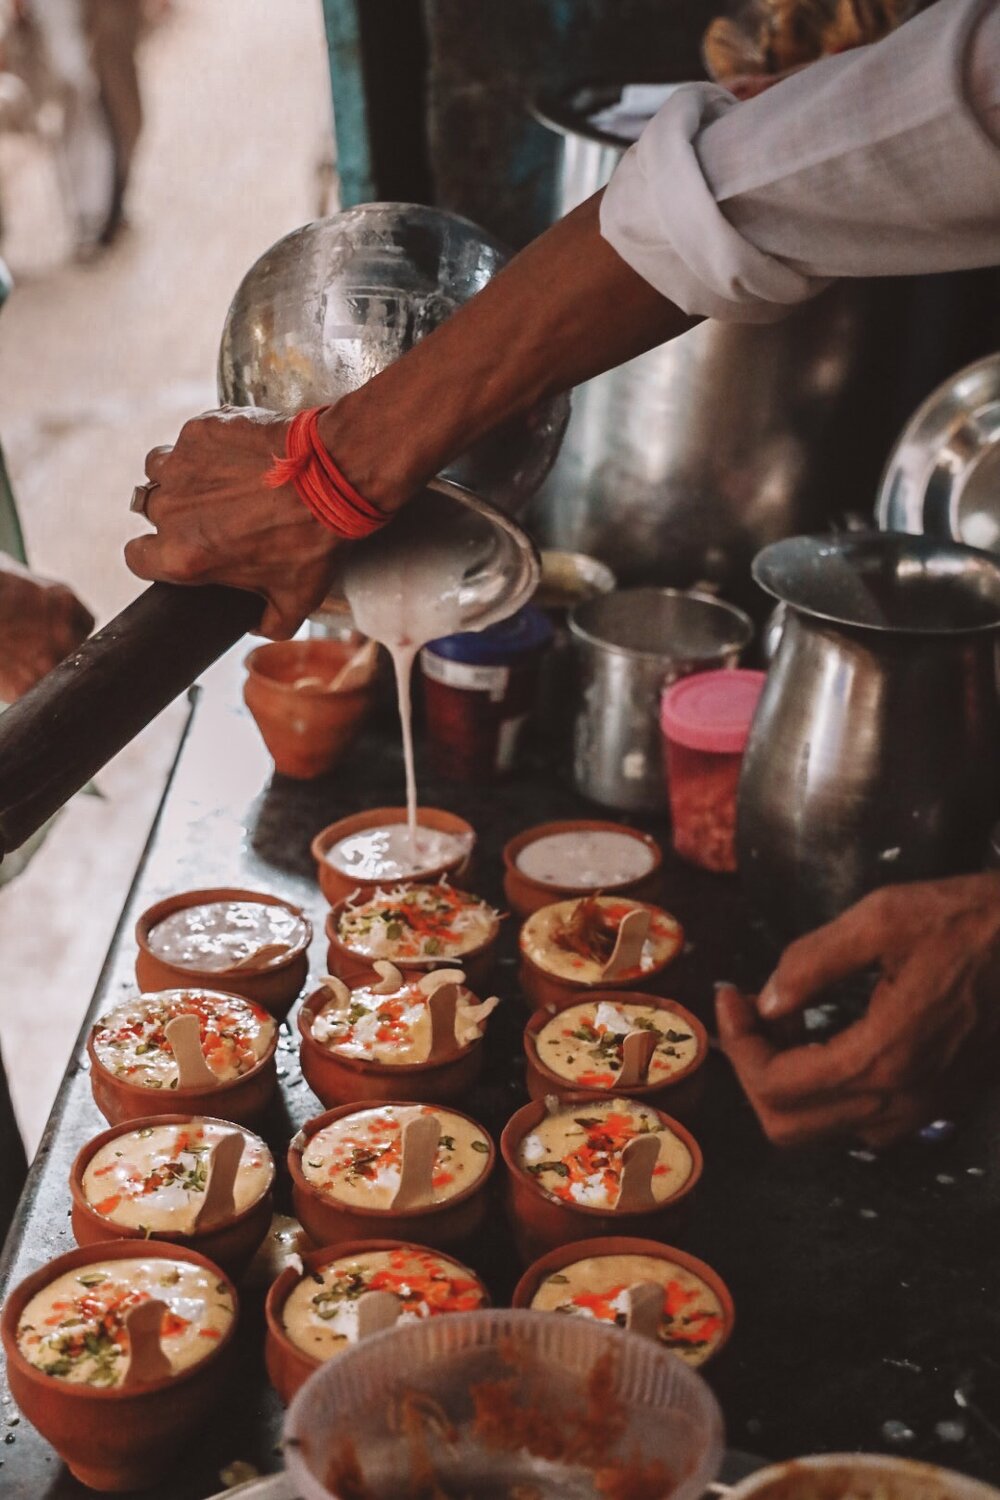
928,1038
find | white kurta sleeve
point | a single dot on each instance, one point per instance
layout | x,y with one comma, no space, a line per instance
883,161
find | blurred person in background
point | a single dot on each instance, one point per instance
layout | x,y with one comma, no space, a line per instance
40,623
77,59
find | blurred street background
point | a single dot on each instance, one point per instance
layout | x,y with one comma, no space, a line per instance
102,358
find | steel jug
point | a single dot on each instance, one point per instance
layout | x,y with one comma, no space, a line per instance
874,755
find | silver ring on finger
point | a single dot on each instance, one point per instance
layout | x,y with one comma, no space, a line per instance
140,497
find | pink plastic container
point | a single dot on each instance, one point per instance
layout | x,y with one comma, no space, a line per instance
706,722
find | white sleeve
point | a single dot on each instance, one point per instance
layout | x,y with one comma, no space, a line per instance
879,162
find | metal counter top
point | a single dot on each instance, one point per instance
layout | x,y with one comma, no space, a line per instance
867,1289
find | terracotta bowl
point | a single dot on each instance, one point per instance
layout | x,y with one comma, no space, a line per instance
115,1440
231,1245
242,1100
275,988
288,1366
527,895
346,1080
681,1093
566,1255
308,730
540,1223
331,1223
543,988
354,969
337,886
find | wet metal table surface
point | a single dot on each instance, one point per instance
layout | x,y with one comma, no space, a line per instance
867,1289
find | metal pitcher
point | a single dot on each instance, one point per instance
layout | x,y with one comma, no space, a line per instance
875,752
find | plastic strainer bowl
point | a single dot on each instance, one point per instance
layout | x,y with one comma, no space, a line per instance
457,1395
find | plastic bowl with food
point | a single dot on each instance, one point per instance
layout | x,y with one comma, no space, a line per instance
120,1426
570,948
221,1064
172,1178
371,850
498,1403
582,1166
367,1170
418,1038
247,943
588,1045
417,927
320,1312
614,1280
579,857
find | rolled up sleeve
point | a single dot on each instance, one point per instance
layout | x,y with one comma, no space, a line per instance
883,161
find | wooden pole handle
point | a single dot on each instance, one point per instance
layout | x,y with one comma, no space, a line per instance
91,705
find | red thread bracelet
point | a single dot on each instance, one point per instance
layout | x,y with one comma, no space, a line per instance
319,483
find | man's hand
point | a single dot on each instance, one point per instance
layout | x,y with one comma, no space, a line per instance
930,1033
217,522
40,623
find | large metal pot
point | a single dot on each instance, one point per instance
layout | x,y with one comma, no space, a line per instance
680,465
875,751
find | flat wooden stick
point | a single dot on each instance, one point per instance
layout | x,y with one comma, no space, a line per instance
184,1036
377,1310
218,1201
637,1054
443,1007
363,657
644,1308
146,1359
632,934
635,1193
262,956
421,1136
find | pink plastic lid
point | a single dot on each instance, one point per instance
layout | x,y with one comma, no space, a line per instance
711,710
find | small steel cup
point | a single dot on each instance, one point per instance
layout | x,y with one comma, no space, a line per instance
628,646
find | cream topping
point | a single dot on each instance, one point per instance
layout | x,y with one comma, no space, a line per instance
131,1043
575,939
74,1328
389,852
216,935
584,1042
392,1028
320,1315
691,1323
356,1159
576,1154
585,859
416,923
154,1177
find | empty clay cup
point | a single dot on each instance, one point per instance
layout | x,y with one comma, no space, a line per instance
308,707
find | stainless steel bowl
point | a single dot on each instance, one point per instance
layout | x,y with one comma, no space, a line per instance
943,476
335,302
629,645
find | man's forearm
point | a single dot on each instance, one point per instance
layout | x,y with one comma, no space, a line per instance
565,309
